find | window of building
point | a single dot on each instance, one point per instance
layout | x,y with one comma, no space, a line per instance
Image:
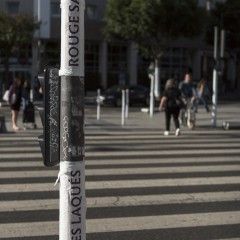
117,64
13,7
174,63
91,57
52,53
117,57
55,9
91,11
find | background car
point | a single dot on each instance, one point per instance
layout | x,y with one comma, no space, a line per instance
138,94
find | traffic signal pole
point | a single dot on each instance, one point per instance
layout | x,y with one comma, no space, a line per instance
215,79
218,68
72,222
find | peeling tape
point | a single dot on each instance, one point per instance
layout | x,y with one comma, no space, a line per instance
72,201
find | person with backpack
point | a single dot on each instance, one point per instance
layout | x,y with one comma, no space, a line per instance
172,102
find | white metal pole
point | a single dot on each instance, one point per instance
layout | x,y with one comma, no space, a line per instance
157,81
35,47
39,10
215,80
72,219
151,96
123,107
127,104
98,104
39,18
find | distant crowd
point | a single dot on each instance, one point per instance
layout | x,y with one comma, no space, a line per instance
183,100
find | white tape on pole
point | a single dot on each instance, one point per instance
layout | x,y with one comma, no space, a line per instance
72,38
72,201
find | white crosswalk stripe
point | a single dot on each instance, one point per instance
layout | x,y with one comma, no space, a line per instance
136,186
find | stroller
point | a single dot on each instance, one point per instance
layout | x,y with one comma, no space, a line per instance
187,115
29,115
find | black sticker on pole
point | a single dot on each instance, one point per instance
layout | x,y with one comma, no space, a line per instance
72,119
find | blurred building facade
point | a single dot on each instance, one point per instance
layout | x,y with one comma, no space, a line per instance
106,63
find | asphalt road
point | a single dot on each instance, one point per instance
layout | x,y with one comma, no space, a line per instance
139,184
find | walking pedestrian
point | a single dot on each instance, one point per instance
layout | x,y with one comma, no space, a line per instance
25,94
188,94
172,102
25,102
202,94
15,97
187,89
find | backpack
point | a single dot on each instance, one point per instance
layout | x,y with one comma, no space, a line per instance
174,98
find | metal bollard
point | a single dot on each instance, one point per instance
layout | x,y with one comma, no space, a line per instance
123,107
127,104
151,106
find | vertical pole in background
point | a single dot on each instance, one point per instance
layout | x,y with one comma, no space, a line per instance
35,48
215,79
151,96
127,104
98,104
123,107
157,80
72,222
39,35
39,11
222,47
221,60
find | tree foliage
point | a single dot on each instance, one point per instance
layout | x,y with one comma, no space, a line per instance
227,16
15,32
153,24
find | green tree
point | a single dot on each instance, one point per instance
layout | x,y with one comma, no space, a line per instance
153,24
15,32
226,15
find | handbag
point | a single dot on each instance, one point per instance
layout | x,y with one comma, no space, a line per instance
6,96
13,98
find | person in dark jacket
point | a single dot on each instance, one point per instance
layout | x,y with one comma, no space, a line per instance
15,97
171,100
25,94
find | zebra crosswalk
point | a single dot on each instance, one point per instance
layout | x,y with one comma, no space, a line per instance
139,185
